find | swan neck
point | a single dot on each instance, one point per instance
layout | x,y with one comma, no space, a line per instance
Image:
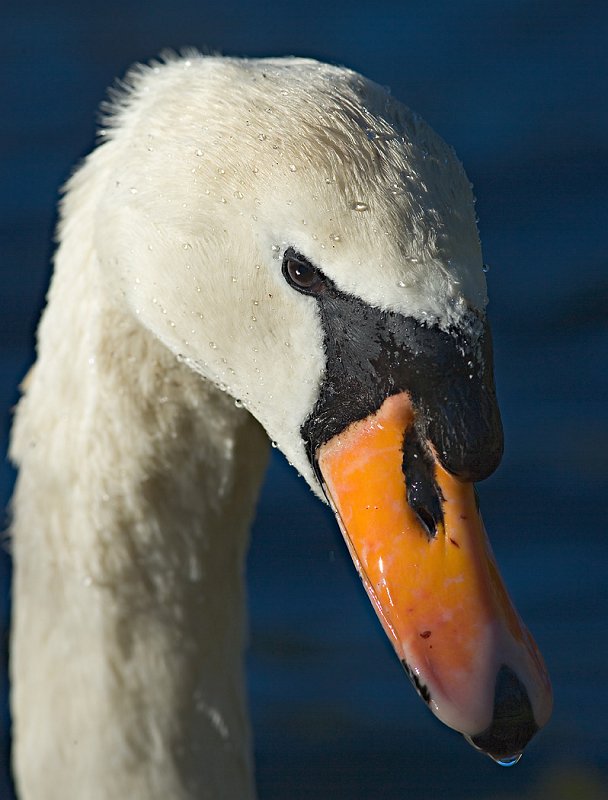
137,486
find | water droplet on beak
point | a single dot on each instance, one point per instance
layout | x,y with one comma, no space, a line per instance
508,761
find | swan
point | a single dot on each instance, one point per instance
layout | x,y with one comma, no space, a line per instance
256,250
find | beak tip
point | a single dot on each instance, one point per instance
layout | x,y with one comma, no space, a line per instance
513,724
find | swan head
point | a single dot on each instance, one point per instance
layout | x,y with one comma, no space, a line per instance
303,240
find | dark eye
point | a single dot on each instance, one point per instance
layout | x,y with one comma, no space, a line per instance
301,274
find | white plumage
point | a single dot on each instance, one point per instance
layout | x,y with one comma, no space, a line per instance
138,471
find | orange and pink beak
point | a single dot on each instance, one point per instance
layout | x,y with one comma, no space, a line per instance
435,584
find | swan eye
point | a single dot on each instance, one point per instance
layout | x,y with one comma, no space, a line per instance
301,274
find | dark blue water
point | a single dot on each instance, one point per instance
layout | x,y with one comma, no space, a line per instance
520,89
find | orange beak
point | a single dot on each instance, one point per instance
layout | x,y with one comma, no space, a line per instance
439,595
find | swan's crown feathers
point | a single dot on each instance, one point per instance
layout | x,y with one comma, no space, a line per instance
317,157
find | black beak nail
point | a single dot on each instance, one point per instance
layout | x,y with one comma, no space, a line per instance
513,724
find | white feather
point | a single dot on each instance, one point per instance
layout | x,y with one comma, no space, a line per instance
138,475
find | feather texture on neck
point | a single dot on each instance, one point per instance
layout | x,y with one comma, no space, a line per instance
137,485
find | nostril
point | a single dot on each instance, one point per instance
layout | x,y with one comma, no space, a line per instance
426,518
423,494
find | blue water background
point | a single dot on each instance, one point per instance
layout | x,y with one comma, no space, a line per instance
520,89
